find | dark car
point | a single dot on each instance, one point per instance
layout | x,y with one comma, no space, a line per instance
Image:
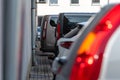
95,54
48,33
68,21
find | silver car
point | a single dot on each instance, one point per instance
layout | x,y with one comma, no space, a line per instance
48,26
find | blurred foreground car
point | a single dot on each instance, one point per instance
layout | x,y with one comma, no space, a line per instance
48,33
96,53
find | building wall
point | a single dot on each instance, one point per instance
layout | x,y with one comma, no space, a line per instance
16,39
66,6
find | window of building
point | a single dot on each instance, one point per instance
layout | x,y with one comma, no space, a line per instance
42,1
74,1
53,1
95,1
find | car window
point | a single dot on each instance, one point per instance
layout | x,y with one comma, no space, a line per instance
54,19
77,18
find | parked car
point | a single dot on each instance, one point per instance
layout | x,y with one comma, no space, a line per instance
38,32
95,54
66,22
48,33
64,44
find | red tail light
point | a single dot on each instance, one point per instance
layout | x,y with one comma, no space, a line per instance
44,30
58,31
66,44
90,53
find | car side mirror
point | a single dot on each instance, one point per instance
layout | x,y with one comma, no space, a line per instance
52,23
62,60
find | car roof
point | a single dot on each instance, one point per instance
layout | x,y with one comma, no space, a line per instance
50,15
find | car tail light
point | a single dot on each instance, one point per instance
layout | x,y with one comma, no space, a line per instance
66,44
90,53
44,30
58,31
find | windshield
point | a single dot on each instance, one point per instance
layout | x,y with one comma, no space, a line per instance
77,18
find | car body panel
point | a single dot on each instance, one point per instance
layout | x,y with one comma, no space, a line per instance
63,53
110,66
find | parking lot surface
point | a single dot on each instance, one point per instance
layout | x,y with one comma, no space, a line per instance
42,69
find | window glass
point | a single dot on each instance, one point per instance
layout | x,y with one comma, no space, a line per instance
74,1
42,1
53,1
95,1
77,18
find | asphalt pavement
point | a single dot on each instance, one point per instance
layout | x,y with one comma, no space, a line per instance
42,69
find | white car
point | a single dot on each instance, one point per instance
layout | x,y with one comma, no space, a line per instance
64,44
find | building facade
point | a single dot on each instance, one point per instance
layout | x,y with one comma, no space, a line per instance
45,7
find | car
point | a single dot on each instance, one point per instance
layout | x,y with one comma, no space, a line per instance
66,22
95,54
48,33
64,44
38,32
